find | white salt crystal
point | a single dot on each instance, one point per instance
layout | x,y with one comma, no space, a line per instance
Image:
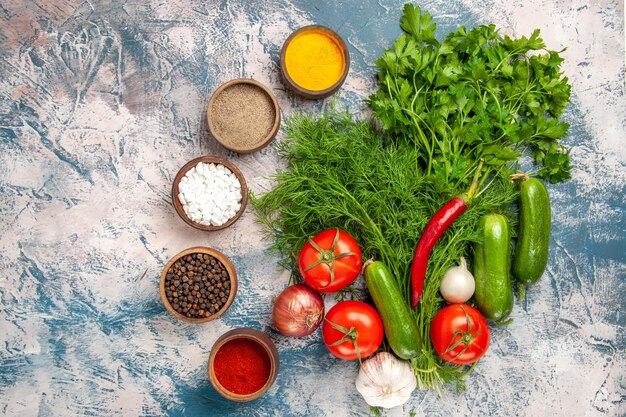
210,194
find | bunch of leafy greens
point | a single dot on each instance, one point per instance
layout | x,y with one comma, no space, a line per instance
443,109
476,95
345,173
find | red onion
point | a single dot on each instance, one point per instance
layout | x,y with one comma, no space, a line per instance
298,311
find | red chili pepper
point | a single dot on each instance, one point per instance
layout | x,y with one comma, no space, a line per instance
435,228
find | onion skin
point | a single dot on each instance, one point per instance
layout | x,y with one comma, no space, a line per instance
458,284
298,311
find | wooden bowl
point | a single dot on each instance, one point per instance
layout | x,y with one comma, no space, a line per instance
304,92
271,134
232,274
263,341
215,160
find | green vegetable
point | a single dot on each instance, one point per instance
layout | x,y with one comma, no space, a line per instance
492,266
531,251
476,95
398,322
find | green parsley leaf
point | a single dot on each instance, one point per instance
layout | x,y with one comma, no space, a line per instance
477,96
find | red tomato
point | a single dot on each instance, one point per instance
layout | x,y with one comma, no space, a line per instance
460,334
357,324
330,261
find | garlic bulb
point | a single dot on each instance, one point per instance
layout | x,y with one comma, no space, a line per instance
385,381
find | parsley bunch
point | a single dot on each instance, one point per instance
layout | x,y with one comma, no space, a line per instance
477,95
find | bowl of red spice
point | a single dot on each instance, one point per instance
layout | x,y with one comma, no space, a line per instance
243,115
198,284
243,364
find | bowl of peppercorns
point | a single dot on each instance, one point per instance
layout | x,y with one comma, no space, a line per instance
198,284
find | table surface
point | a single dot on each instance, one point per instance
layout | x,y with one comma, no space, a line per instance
102,102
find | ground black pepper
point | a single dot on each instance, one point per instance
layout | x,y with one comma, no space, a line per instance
242,115
197,285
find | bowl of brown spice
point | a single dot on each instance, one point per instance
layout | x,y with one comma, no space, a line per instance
198,284
243,115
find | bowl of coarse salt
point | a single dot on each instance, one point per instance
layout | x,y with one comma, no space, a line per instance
209,193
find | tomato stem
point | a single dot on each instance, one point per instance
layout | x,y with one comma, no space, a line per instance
466,337
350,335
328,257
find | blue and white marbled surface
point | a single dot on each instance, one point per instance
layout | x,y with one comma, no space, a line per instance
101,102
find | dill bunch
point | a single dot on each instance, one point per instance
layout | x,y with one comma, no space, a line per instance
346,173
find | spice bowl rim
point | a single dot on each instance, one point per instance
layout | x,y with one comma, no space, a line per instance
215,160
244,333
230,269
305,92
277,116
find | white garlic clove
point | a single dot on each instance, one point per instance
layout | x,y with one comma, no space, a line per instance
385,381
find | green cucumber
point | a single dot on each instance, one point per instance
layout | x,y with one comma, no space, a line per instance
400,326
531,251
492,266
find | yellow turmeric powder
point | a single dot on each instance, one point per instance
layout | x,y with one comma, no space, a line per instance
314,60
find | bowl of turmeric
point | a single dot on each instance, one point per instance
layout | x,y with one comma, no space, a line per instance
314,61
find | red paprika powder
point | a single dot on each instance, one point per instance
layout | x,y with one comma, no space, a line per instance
242,366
